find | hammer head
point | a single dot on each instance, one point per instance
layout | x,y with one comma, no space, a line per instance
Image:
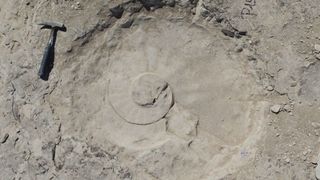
53,25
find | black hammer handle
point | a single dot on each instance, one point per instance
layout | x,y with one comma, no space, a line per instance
47,62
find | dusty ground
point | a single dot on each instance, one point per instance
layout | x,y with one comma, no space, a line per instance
151,89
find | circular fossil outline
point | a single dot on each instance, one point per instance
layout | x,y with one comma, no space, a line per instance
165,96
230,150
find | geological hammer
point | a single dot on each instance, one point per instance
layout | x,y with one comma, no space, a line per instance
48,56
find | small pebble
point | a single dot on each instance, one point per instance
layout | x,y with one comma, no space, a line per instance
270,88
314,160
287,160
275,108
239,49
69,49
127,24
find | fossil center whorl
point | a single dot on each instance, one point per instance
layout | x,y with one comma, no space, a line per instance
140,99
148,89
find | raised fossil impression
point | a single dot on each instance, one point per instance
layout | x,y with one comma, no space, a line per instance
142,100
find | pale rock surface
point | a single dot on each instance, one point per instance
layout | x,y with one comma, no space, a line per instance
161,89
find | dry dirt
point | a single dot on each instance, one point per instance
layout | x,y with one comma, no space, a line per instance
161,89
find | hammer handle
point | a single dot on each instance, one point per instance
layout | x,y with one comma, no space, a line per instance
47,62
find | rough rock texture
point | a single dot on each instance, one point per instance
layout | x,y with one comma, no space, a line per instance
207,111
